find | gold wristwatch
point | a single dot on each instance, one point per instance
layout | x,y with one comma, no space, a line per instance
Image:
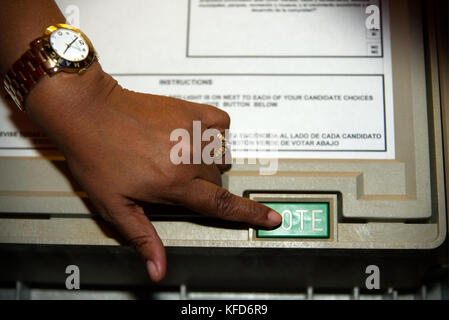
61,48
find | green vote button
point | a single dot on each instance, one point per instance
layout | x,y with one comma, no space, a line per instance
299,220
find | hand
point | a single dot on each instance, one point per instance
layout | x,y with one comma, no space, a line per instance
117,145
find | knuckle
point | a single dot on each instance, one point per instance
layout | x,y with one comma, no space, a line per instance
170,181
111,216
171,178
223,203
217,115
226,118
139,243
108,217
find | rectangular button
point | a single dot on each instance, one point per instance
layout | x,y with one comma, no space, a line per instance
299,220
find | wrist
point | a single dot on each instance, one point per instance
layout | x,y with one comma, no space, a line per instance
66,102
56,94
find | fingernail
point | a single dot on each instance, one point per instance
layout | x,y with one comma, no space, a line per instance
153,271
274,218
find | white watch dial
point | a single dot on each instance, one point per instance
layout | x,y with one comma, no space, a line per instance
69,45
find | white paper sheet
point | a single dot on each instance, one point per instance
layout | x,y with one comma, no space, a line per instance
300,79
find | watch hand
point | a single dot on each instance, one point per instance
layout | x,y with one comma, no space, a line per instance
70,45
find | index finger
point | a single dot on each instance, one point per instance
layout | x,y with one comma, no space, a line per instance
212,200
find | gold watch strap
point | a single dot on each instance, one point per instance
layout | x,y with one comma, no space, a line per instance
26,72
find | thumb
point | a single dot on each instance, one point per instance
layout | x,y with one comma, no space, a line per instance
131,222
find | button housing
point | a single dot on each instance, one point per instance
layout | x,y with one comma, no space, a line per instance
333,200
300,220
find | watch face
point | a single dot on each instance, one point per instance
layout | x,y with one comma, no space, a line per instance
69,45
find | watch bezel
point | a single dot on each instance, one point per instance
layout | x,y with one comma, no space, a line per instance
57,62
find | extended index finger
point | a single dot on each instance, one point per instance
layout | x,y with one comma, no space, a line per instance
212,200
